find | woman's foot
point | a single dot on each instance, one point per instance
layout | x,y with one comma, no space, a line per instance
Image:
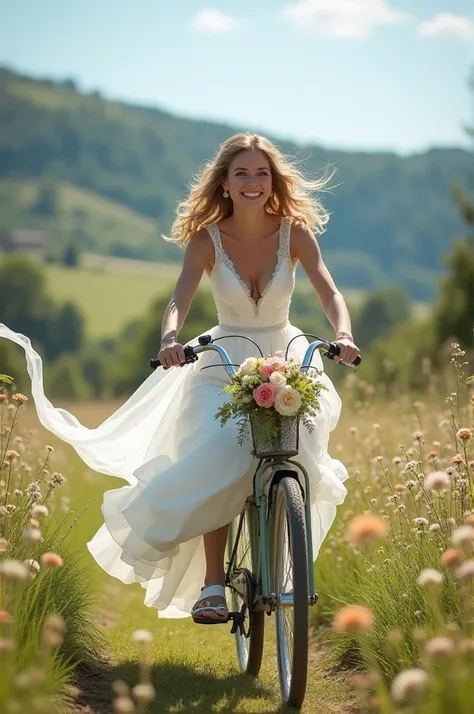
211,608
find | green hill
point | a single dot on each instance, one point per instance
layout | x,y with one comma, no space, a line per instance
108,175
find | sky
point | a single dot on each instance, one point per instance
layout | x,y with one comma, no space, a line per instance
350,74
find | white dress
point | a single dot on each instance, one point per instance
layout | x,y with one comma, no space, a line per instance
186,474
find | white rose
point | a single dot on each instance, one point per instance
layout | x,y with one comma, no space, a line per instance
249,365
278,379
287,401
251,380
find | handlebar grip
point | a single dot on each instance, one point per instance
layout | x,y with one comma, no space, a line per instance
334,351
189,356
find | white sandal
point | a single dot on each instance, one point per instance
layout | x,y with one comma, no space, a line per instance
210,591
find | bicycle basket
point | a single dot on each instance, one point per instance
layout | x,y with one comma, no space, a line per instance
285,444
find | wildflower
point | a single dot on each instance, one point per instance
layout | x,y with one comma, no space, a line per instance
51,560
39,510
55,623
144,692
410,484
463,535
33,487
3,398
436,481
418,435
396,460
433,454
440,647
32,534
123,705
430,576
364,529
33,566
353,430
20,398
409,683
11,455
411,465
420,522
451,522
464,434
401,507
57,479
142,636
49,448
465,571
13,570
353,618
399,487
434,527
5,617
457,459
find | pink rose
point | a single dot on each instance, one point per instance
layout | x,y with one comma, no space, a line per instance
265,394
270,365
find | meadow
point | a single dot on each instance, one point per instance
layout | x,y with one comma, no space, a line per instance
395,577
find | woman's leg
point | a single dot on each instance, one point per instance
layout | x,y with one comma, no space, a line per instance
214,547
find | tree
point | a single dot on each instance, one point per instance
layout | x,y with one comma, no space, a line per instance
454,313
71,256
381,312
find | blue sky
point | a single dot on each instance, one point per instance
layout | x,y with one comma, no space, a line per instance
358,74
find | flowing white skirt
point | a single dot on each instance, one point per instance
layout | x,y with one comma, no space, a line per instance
186,474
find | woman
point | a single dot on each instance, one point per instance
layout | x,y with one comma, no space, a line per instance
247,223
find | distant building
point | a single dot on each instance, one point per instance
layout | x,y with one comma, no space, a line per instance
21,241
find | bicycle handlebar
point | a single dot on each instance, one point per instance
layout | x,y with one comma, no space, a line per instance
205,343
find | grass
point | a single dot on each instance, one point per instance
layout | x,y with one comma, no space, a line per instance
110,298
386,444
194,668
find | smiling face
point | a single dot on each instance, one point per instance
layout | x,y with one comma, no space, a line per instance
249,179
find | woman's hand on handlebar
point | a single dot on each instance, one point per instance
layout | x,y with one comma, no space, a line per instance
171,354
349,350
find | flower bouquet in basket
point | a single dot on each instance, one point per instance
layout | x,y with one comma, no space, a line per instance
275,395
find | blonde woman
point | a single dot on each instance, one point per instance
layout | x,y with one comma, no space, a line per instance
248,221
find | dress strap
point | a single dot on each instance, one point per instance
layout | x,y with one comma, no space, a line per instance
214,232
285,233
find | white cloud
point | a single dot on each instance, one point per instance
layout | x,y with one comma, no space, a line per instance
215,22
342,18
446,24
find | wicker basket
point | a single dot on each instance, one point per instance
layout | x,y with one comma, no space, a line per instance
285,444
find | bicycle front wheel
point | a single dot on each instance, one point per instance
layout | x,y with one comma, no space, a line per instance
290,581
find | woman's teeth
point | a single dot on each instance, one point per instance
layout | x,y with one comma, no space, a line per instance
252,195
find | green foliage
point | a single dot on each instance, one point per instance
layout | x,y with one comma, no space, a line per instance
140,340
454,311
381,311
27,307
65,380
389,213
71,256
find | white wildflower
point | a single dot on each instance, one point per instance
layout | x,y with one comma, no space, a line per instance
462,535
408,683
430,576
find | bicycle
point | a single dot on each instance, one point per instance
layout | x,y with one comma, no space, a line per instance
276,518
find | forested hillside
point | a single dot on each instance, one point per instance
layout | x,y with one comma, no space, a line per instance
107,176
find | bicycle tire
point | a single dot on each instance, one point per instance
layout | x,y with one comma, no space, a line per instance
289,517
249,650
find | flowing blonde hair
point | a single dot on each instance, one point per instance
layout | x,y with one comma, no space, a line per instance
292,193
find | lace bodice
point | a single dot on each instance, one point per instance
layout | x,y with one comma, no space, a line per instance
235,305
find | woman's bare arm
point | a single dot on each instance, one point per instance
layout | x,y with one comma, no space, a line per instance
305,248
199,253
